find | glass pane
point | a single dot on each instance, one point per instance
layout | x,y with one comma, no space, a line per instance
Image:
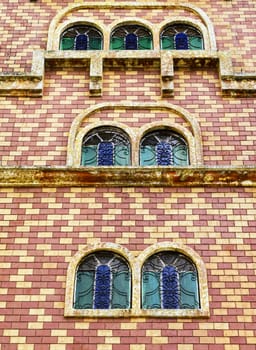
163,148
180,155
195,43
167,43
122,155
95,44
121,290
81,42
117,43
145,43
106,146
170,288
131,42
89,156
189,290
151,290
181,41
147,156
84,290
164,153
102,287
105,153
67,44
103,281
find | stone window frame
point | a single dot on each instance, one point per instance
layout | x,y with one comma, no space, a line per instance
191,134
136,263
203,24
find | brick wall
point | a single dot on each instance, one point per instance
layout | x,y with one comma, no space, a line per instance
42,228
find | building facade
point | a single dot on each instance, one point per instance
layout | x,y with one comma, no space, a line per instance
127,177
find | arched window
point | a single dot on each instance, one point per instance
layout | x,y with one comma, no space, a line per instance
163,147
103,281
106,146
169,281
81,37
180,36
131,37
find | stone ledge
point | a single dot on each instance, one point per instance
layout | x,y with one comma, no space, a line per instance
31,84
127,176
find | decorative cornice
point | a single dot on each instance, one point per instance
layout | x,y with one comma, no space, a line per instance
128,176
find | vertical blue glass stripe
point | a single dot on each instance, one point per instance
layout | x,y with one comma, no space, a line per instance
170,288
131,42
81,42
163,153
102,289
106,153
181,41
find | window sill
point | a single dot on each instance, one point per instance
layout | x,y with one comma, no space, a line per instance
171,313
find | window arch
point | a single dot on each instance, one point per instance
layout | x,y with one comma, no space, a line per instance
169,281
181,36
131,37
163,147
106,146
81,37
103,281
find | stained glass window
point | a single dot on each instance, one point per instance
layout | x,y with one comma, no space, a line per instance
163,147
169,281
180,36
106,146
131,37
81,37
103,281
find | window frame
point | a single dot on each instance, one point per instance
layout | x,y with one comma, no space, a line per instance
135,263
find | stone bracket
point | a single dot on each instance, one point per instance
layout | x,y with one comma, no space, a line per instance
31,84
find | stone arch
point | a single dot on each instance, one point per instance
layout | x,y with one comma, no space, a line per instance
77,131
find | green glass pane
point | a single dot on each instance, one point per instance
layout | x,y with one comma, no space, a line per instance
117,43
180,155
145,43
67,44
121,290
195,43
151,290
147,156
189,295
95,44
167,43
122,155
84,290
89,156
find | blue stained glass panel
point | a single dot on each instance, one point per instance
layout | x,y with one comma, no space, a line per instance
102,287
81,42
106,153
131,41
163,153
170,288
181,41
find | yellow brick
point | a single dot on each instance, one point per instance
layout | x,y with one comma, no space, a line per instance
137,347
185,347
11,332
104,333
153,332
112,340
160,340
25,346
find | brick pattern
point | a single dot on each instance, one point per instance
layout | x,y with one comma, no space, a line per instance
42,228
